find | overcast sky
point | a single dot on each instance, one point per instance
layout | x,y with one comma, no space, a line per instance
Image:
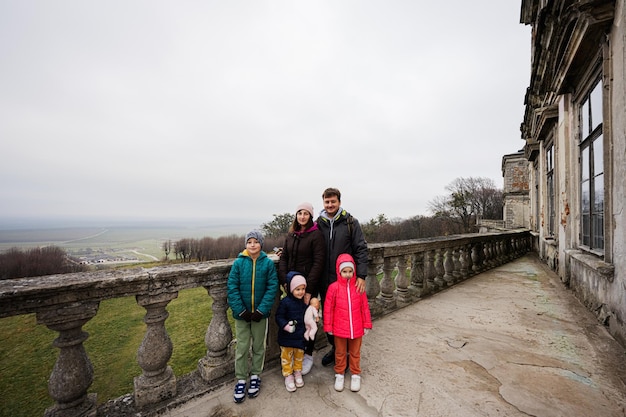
243,109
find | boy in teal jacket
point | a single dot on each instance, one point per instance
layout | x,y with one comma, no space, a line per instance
252,289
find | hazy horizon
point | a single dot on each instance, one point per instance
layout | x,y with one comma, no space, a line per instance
29,223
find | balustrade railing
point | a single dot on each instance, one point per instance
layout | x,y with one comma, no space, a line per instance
399,273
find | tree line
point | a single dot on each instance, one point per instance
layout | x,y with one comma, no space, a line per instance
48,260
208,248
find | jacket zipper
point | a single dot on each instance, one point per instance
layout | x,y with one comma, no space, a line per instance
350,309
253,279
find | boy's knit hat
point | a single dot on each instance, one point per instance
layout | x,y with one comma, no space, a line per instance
255,234
306,206
347,264
296,281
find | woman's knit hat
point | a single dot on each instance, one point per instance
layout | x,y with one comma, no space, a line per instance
255,234
305,206
296,281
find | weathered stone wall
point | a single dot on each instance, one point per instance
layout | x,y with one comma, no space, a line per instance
516,191
600,283
574,43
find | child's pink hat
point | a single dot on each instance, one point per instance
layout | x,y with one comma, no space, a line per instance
296,281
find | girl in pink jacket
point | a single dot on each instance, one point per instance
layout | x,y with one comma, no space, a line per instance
347,317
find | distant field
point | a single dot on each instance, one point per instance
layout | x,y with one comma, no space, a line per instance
143,242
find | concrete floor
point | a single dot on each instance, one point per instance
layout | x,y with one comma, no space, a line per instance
512,341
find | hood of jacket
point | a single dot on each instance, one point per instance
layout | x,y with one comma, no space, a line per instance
344,257
340,212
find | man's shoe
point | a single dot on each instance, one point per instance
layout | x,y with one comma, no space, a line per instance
307,364
329,358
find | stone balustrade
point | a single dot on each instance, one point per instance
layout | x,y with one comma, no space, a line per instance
399,273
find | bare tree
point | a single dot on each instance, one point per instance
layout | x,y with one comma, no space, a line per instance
167,248
469,199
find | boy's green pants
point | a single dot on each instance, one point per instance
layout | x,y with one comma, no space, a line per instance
250,334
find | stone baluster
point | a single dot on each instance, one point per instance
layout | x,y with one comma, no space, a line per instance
372,286
501,252
402,283
72,374
219,335
468,258
429,271
157,381
456,260
418,279
448,267
487,255
439,281
509,249
493,251
476,257
524,245
387,285
496,253
463,262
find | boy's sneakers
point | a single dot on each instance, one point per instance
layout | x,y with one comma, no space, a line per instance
307,364
240,391
355,383
299,380
338,382
255,386
290,383
329,357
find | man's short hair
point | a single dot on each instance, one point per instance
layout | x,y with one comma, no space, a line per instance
332,192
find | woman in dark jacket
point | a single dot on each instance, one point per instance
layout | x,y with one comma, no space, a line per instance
304,251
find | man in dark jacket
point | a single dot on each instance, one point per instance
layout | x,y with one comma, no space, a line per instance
342,234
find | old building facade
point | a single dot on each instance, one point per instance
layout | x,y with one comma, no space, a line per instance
516,197
574,128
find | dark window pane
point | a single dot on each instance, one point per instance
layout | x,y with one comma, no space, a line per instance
598,195
596,105
584,120
585,231
598,156
584,164
598,233
584,196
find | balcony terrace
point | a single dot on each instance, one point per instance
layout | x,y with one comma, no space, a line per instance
477,374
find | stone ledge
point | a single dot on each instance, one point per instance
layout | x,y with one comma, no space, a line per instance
594,263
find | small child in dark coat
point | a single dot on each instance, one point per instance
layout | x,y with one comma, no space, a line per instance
290,320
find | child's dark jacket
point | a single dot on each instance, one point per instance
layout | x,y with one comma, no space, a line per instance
290,308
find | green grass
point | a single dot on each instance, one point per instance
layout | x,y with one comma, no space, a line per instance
115,333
